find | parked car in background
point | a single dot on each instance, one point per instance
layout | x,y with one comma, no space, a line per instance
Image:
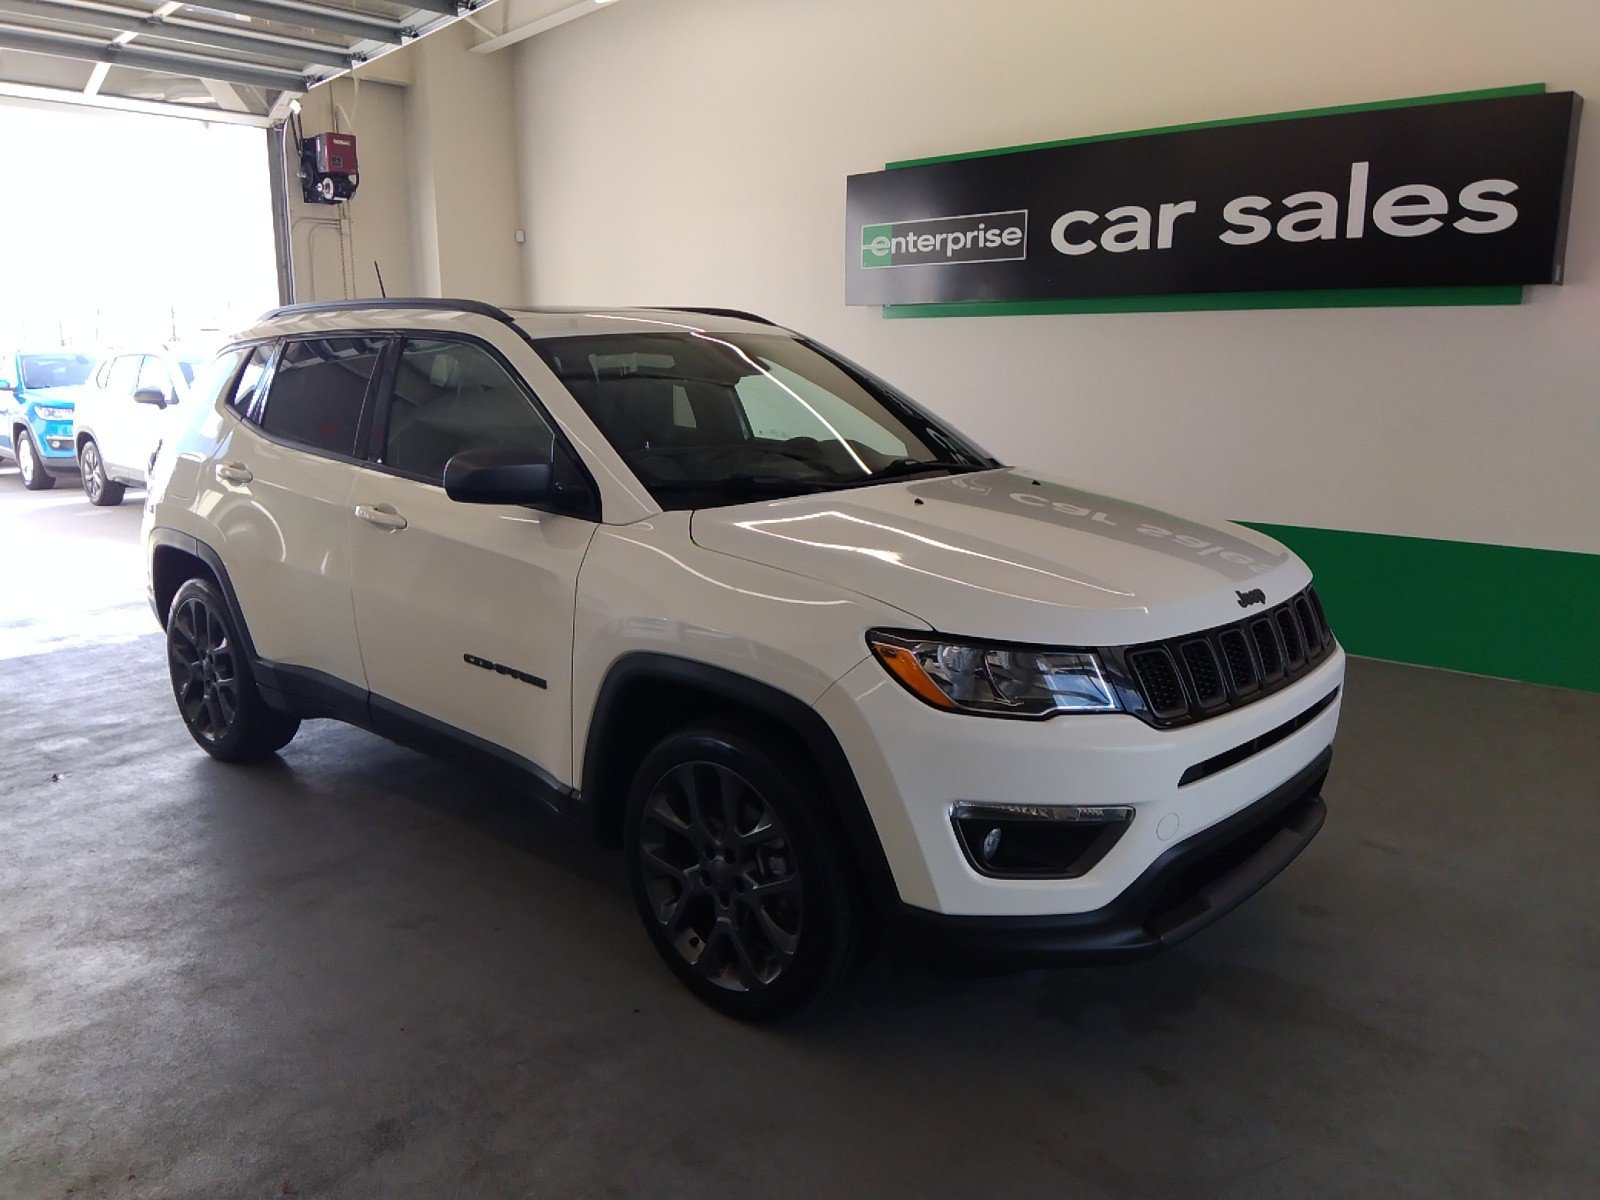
121,414
37,393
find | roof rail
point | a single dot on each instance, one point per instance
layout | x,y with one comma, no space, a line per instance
430,303
738,314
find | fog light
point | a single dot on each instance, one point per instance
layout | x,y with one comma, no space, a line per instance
991,844
62,443
1025,841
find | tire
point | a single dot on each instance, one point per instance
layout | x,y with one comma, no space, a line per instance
738,870
34,477
100,489
211,680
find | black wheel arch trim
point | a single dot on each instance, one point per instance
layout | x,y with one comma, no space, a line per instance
603,796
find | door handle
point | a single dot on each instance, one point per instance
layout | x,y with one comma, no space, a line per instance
381,515
234,473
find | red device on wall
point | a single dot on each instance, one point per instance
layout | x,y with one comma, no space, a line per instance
328,168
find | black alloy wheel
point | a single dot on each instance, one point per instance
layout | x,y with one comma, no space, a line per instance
99,487
739,871
205,675
211,681
721,875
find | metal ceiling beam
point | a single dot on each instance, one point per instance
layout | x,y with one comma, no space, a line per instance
194,66
34,95
102,16
309,16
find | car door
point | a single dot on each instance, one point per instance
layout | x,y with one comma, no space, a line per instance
280,497
464,611
140,430
110,409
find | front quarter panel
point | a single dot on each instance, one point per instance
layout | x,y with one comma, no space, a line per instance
647,587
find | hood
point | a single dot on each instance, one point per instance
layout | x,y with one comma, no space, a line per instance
1014,555
66,395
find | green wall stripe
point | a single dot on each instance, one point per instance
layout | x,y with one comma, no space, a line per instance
1508,611
1398,297
1521,89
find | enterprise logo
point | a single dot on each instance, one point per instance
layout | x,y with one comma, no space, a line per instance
940,241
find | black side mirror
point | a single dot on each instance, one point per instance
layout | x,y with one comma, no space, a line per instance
500,475
550,480
150,395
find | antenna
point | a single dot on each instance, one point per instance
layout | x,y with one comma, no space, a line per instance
378,271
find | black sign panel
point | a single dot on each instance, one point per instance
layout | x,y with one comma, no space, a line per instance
1467,192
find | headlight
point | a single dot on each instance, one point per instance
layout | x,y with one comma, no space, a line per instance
52,412
996,681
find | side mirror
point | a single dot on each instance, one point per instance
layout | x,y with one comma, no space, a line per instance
150,395
500,475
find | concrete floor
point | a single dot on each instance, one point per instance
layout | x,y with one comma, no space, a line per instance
354,972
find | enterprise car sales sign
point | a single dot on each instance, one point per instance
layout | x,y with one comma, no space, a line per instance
1457,193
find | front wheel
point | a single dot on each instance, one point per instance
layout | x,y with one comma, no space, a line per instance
97,485
739,872
34,477
211,680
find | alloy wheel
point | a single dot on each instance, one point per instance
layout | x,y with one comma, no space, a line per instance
721,877
27,464
94,480
204,673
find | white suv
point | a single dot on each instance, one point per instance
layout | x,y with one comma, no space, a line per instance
121,414
829,672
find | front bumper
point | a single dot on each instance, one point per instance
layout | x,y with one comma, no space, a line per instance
1191,885
915,764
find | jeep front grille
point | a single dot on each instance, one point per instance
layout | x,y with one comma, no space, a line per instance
1200,675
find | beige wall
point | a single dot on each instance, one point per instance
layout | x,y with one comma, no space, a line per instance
438,200
695,151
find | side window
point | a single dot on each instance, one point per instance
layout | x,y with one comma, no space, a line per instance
125,374
153,374
244,393
102,375
317,391
454,396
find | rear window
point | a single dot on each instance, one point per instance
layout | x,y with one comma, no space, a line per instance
318,388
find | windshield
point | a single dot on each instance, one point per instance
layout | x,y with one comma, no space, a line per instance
706,419
55,370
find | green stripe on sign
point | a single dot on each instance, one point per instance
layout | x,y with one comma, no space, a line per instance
1508,611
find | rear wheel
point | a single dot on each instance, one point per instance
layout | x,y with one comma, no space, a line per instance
211,680
34,477
739,873
100,488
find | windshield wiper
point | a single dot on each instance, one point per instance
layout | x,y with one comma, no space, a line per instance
914,466
777,484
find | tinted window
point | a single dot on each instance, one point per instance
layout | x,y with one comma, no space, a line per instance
454,396
250,379
317,391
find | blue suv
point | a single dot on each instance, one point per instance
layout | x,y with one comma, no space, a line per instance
36,391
